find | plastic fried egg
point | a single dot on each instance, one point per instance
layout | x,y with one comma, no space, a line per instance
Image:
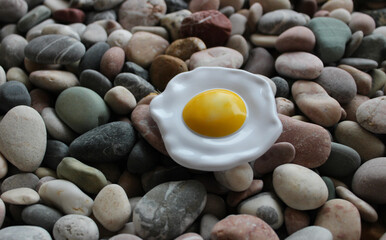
214,118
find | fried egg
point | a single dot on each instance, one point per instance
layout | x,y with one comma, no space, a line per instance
214,118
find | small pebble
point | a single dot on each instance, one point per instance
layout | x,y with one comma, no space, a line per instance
278,21
285,106
18,74
33,17
341,14
20,196
260,61
120,100
216,57
233,198
299,65
53,80
12,51
77,227
20,180
280,153
354,42
371,115
119,38
236,179
362,22
41,215
295,39
12,94
172,23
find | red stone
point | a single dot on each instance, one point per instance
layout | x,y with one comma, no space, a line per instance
211,26
69,15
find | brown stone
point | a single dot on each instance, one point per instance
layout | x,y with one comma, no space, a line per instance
352,106
184,48
295,220
260,61
362,79
164,68
299,65
131,184
234,198
372,114
280,153
202,5
297,38
112,62
69,15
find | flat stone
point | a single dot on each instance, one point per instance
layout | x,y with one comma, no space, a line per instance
66,196
101,5
108,15
55,152
36,31
236,179
19,75
335,4
92,113
24,232
351,107
74,226
164,68
340,217
112,207
278,21
299,187
371,115
314,232
310,97
41,216
20,180
54,49
11,11
33,17
299,65
341,14
197,5
157,30
53,80
260,61
185,48
270,6
20,196
255,13
87,178
262,40
120,100
362,80
168,198
93,56
56,128
12,94
242,225
216,57
60,29
25,151
280,153
138,86
12,51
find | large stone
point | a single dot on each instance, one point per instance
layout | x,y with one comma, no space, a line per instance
25,233
74,226
278,21
12,51
299,65
371,115
157,215
23,138
12,10
107,143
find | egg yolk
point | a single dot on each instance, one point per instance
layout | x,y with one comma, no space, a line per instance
215,113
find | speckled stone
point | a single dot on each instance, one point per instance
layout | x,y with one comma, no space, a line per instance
299,65
41,216
33,17
24,232
107,143
12,51
297,38
278,21
168,198
138,86
74,226
54,49
12,94
112,62
172,22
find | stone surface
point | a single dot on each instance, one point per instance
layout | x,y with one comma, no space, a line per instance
295,220
20,196
74,226
93,33
211,26
340,217
53,80
95,81
55,152
112,62
372,47
184,48
142,158
362,22
110,142
12,94
81,109
362,79
236,179
369,179
60,29
33,17
311,232
19,75
93,56
12,51
23,138
331,38
351,107
164,68
168,198
172,22
278,21
295,39
341,14
119,38
56,128
135,69
24,232
310,97
299,187
216,57
20,180
362,64
120,100
353,44
260,61
69,15
299,65
41,216
54,49
138,86
239,226
280,153
12,11
335,4
371,115
66,196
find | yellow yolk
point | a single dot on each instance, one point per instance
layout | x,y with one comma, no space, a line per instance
215,113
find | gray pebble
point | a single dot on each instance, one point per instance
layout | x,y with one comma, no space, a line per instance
282,87
104,15
12,10
138,86
132,67
41,216
25,233
13,94
311,232
33,17
95,81
363,64
92,58
12,51
93,33
55,152
74,226
7,30
26,180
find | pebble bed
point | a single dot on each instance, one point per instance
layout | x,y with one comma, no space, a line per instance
82,159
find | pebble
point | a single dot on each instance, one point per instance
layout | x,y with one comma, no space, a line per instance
312,142
54,49
366,211
157,30
60,29
368,181
265,206
206,224
282,87
56,128
53,80
234,198
33,17
93,17
334,4
93,56
239,226
340,217
372,47
362,80
55,152
331,37
161,175
12,11
380,30
119,38
362,64
12,51
20,180
164,68
255,13
215,206
338,84
142,158
365,143
120,100
211,26
341,14
299,65
87,178
285,106
81,118
362,22
40,99
3,77
24,232
172,23
141,13
132,186
236,179
109,142
216,57
20,196
138,86
240,44
95,81
185,48
295,220
261,40
199,5
168,198
311,232
270,6
296,39
55,5
134,68
93,33
330,186
25,151
69,15
176,5
66,197
112,62
3,167
378,81
371,114
36,31
351,107
12,94
299,187
125,236
328,115
260,61
353,44
101,5
280,153
143,47
238,22
77,227
278,21
18,74
112,207
41,216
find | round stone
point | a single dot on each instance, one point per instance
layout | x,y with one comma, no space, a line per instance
236,179
270,6
311,232
341,14
295,39
77,227
13,94
299,65
12,51
362,22
53,80
20,180
138,86
24,232
56,127
371,115
33,17
119,38
20,196
93,56
69,15
112,62
12,10
40,215
120,100
280,153
216,57
95,81
260,61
